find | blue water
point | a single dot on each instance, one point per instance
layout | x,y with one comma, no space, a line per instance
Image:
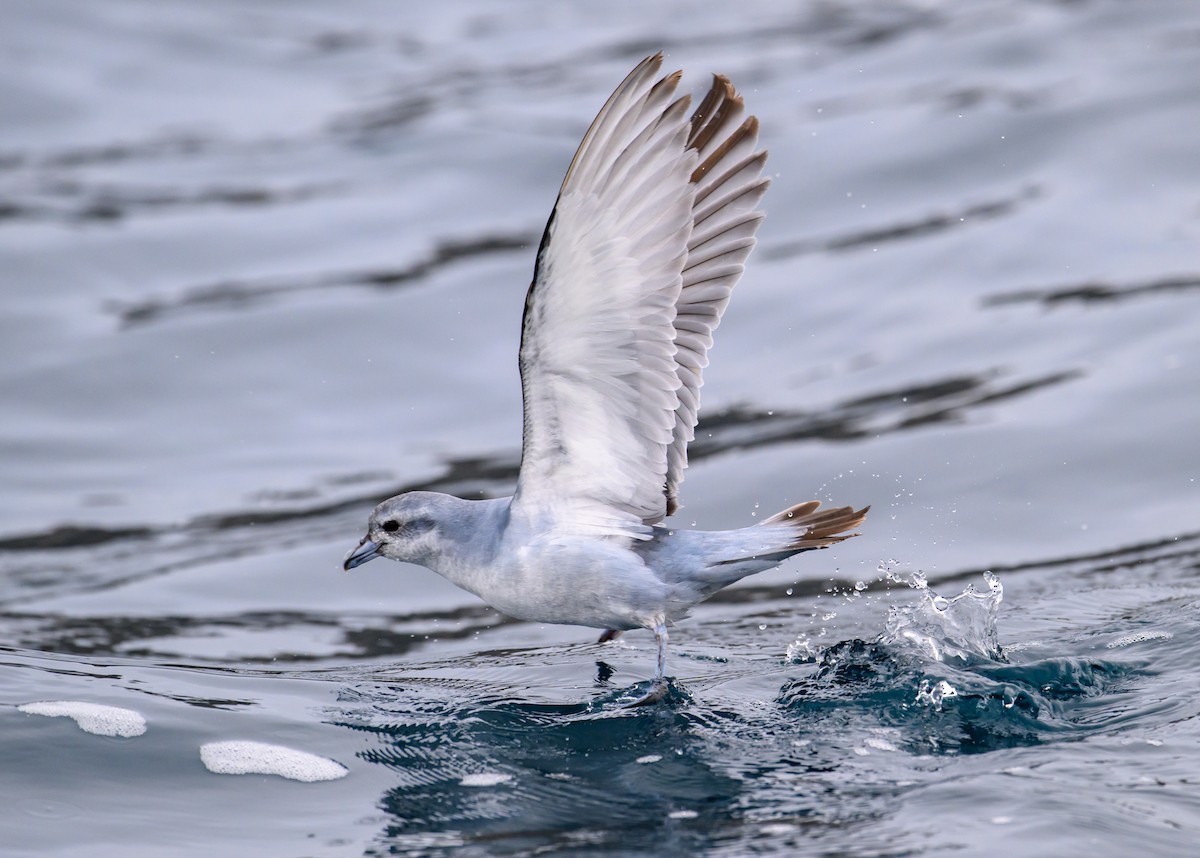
263,266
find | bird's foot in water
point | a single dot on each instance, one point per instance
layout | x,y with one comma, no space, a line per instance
659,689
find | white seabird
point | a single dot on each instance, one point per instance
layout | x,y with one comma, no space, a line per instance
653,223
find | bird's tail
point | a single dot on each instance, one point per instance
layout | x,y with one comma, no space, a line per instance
734,554
816,528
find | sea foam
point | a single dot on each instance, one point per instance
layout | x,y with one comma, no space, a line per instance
258,758
91,717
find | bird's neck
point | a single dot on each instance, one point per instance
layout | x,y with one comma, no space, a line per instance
468,543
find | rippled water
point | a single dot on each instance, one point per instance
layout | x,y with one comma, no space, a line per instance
263,266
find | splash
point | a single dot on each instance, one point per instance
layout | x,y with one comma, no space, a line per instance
935,693
937,676
960,629
802,649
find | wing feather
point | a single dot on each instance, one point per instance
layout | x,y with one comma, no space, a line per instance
653,222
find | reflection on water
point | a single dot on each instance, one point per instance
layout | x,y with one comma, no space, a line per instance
1096,293
233,294
923,227
736,428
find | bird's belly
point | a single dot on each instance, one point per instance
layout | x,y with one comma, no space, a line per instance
594,584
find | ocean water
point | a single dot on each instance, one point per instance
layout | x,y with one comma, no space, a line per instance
263,265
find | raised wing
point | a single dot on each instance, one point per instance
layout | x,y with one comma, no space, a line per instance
652,224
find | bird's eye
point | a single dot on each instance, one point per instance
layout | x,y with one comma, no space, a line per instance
391,525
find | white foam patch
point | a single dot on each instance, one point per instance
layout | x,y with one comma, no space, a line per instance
1140,637
258,758
649,758
91,717
485,779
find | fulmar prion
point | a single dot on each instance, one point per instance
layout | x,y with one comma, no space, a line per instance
653,223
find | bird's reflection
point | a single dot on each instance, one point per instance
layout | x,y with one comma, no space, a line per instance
604,672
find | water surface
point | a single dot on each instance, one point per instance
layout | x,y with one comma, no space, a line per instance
263,266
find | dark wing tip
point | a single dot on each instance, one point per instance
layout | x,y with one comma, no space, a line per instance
720,104
748,129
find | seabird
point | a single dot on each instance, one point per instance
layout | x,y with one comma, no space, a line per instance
653,222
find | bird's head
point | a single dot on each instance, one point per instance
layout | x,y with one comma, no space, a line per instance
405,527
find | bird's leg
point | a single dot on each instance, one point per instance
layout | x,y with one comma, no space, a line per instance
660,638
658,690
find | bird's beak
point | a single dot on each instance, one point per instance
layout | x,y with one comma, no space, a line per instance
367,550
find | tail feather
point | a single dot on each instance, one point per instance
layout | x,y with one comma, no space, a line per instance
818,529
